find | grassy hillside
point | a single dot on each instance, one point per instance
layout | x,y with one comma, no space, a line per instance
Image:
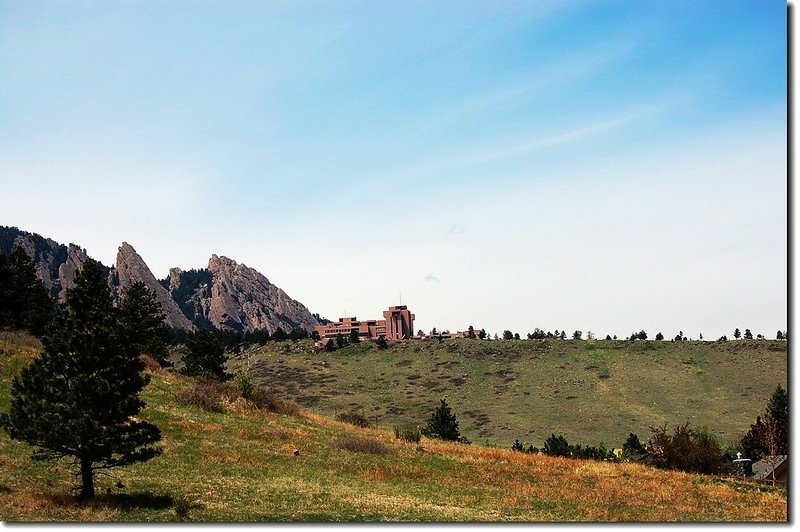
239,465
591,391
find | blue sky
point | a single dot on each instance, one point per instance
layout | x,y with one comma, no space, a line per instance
606,166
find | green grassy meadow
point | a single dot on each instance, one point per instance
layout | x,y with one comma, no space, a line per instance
591,391
240,465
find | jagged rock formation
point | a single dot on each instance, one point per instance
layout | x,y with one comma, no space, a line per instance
226,295
232,296
69,269
131,268
56,264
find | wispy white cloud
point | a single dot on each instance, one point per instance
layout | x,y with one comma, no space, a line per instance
430,278
559,72
487,155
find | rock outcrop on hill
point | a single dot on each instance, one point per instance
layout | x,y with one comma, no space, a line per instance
226,295
56,264
233,296
131,268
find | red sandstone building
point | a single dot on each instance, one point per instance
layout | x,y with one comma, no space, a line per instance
397,324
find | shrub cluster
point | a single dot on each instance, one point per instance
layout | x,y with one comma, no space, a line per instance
686,449
409,433
559,446
353,418
363,445
205,393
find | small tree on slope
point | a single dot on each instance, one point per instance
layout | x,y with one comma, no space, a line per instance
78,399
442,424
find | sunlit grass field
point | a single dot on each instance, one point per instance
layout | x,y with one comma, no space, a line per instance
241,465
591,391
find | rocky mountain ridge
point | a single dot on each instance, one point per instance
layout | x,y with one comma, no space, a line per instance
225,295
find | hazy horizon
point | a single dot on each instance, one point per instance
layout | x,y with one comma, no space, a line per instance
603,166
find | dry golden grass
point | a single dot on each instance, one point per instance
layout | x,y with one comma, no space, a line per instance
239,465
193,425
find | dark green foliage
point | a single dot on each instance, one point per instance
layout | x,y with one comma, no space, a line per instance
659,336
142,323
508,335
244,385
24,301
354,338
748,335
330,346
538,334
482,334
632,445
737,333
577,335
205,356
471,332
279,335
520,448
341,341
78,398
770,436
442,424
592,453
381,343
686,449
557,446
298,334
779,335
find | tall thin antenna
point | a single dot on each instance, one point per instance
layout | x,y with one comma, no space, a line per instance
401,297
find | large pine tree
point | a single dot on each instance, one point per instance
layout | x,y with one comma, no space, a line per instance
78,399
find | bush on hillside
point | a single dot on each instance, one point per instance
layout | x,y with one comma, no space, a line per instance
557,446
409,433
263,399
244,385
686,449
353,418
205,393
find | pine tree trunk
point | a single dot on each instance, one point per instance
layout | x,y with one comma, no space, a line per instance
87,479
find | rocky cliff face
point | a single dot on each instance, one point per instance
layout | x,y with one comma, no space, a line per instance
226,295
56,264
131,268
232,296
